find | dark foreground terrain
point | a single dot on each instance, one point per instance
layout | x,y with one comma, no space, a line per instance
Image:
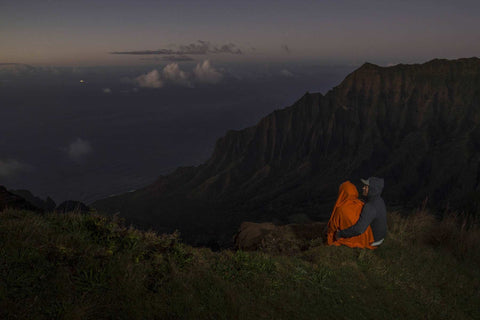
74,266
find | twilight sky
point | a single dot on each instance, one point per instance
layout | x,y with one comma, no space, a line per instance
87,33
115,93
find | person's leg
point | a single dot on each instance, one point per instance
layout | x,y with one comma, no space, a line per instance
377,243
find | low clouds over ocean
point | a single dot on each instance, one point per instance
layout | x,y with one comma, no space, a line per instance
203,73
172,73
206,73
149,80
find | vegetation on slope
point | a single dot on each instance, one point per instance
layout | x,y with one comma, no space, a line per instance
75,266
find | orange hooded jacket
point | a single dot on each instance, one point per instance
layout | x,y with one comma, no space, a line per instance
345,214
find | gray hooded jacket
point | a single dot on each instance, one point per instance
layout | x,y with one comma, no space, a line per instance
374,214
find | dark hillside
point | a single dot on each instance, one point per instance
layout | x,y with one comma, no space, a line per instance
77,266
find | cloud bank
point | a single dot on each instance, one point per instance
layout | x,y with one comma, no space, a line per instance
197,48
171,74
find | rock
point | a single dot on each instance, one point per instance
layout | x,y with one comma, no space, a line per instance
251,234
285,239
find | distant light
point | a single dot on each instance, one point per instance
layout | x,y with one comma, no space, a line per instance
81,81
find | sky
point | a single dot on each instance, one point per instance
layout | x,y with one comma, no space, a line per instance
348,32
110,94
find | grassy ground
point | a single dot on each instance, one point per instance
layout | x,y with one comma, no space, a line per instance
90,267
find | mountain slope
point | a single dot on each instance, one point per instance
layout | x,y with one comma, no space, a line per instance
417,126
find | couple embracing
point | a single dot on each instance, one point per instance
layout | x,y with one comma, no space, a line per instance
354,223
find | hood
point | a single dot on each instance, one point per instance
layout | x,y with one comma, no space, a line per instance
347,192
375,187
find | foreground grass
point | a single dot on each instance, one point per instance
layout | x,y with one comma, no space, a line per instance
90,267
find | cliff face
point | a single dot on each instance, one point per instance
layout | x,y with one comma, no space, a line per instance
417,126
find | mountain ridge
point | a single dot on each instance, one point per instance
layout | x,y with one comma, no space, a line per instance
405,123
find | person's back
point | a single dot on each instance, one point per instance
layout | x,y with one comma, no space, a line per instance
374,214
345,213
379,223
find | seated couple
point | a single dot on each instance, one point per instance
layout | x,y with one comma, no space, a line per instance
355,224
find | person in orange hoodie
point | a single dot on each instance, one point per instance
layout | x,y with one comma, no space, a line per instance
346,213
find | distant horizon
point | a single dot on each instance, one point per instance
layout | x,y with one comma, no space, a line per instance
92,33
242,63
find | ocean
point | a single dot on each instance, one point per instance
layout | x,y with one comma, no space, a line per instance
88,134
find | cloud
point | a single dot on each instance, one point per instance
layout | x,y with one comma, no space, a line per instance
146,52
286,48
172,74
10,167
228,48
16,69
149,80
107,90
170,58
205,73
204,47
78,149
197,48
286,73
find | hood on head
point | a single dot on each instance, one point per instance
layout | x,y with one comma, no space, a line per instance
375,187
347,190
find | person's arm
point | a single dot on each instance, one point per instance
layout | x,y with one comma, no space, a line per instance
366,217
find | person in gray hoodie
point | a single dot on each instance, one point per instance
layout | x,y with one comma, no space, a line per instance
374,213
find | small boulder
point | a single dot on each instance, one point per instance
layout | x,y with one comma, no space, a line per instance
250,235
